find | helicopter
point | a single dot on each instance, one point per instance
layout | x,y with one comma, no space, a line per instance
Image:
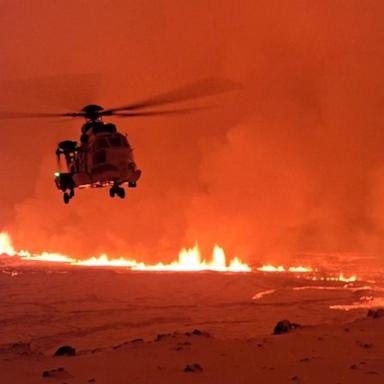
104,157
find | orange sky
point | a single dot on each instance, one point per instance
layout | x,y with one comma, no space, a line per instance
293,162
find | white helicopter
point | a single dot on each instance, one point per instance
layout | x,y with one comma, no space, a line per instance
104,157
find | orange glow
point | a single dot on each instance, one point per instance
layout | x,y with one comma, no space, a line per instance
6,244
46,256
340,277
189,260
347,279
271,268
300,269
280,268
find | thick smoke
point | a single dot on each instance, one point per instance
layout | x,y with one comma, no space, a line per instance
292,163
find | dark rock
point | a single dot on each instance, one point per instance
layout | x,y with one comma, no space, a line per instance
285,326
197,332
163,336
193,368
134,341
295,378
376,313
365,345
56,373
65,350
353,366
21,349
305,360
93,380
181,346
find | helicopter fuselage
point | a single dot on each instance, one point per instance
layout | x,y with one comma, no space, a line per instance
103,158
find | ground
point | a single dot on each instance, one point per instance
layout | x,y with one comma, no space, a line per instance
113,318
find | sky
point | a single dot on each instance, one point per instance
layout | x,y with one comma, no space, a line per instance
293,162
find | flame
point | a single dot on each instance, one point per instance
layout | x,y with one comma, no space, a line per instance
271,268
6,245
301,269
189,260
280,268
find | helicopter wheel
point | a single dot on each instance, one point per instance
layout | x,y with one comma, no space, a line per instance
66,198
132,184
112,192
120,192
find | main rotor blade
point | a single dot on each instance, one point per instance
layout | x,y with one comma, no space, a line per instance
203,88
32,115
159,113
65,91
27,115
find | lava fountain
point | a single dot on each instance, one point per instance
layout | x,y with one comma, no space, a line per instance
189,260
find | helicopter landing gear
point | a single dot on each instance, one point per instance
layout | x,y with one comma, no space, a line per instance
68,196
132,184
119,191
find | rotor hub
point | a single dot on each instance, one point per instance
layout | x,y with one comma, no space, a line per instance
92,111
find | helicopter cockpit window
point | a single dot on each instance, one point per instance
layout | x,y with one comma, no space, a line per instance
115,141
101,143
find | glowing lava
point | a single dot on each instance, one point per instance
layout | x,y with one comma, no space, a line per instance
280,268
189,260
307,270
6,245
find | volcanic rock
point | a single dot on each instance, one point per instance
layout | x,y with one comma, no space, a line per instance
134,341
65,350
163,336
21,349
376,313
56,373
197,332
285,326
193,368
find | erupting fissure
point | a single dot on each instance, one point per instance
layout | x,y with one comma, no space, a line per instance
307,270
189,260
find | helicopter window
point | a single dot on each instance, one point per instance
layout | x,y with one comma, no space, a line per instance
115,141
100,156
101,143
